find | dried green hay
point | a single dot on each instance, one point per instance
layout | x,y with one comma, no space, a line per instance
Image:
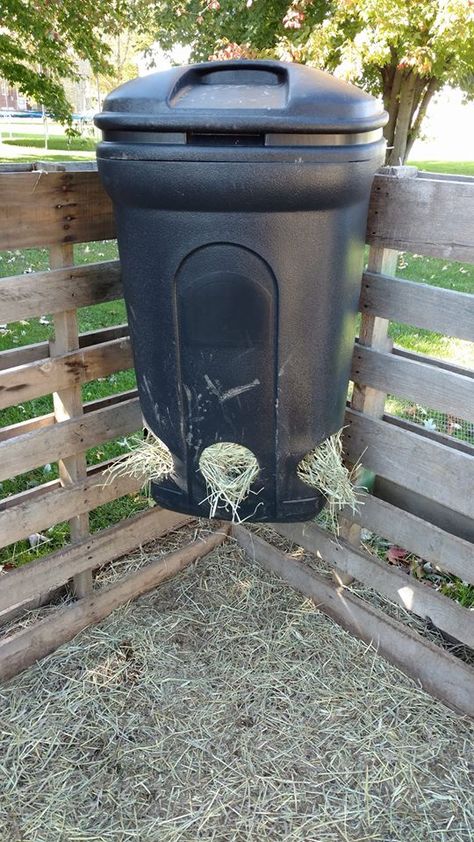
323,468
149,459
224,706
229,469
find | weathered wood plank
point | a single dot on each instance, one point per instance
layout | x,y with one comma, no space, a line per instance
92,552
417,536
67,403
388,580
29,645
29,353
428,216
37,491
11,431
415,380
24,515
373,333
431,469
444,439
49,208
446,365
65,370
27,296
47,444
424,215
441,310
439,673
425,508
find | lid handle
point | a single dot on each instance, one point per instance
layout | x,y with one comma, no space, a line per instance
231,84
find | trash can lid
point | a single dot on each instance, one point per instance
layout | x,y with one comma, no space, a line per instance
241,96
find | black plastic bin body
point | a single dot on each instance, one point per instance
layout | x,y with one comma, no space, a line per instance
241,192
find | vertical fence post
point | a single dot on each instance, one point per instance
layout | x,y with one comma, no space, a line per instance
373,332
68,404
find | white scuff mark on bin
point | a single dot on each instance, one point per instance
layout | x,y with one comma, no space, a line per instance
239,390
146,384
212,386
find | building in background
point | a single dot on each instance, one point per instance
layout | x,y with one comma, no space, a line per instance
11,99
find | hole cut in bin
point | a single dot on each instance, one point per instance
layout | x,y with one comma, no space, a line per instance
323,468
229,470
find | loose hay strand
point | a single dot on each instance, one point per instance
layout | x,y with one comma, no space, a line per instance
225,706
149,459
323,468
229,470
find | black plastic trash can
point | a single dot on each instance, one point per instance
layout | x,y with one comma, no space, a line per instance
241,192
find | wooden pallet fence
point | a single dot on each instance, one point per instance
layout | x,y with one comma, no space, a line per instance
438,672
47,206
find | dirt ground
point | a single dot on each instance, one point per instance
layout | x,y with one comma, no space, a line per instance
223,706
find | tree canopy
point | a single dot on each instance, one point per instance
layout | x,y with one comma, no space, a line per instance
41,41
403,50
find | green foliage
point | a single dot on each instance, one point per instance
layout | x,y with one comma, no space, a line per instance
403,50
358,38
42,40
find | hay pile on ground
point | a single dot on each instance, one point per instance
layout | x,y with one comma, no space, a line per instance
223,706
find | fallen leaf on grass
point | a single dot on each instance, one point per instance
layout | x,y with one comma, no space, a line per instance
395,554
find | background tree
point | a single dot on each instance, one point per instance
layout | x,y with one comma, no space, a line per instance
42,40
402,50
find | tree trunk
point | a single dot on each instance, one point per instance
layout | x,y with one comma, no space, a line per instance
430,90
397,154
391,102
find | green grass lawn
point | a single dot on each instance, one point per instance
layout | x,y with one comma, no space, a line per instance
450,167
31,147
61,142
442,273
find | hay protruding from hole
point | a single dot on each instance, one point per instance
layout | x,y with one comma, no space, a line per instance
149,459
229,470
323,468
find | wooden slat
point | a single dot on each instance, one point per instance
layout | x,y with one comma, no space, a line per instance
387,580
441,310
66,370
37,491
416,535
446,365
373,333
67,403
13,430
439,673
444,439
30,353
27,296
422,507
442,473
34,642
424,215
417,381
93,551
50,208
39,447
24,515
428,216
